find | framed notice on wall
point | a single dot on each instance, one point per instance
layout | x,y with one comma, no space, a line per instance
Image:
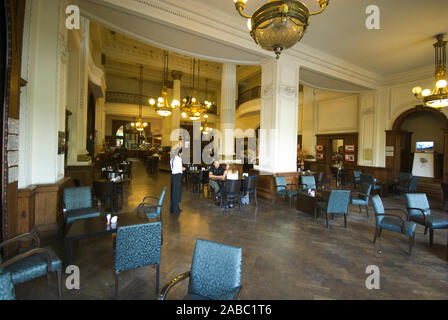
319,156
350,158
319,148
349,148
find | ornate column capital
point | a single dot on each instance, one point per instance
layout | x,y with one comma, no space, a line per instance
177,75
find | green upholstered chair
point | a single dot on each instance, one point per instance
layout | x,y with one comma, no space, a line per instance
31,264
420,212
307,182
368,178
6,286
392,222
283,189
78,204
215,273
152,206
337,204
362,198
356,178
404,180
138,246
409,188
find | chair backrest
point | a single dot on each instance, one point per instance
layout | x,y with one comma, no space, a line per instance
205,177
419,201
308,182
378,208
138,246
404,178
77,198
413,184
366,188
160,203
252,183
357,175
280,181
339,201
367,178
321,177
6,286
215,270
103,188
233,186
445,191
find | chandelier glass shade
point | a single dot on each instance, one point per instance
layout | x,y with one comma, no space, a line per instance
438,96
279,25
140,125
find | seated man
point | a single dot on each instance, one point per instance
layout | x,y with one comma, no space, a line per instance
216,173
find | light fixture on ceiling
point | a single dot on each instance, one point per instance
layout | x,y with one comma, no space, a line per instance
279,25
438,97
191,107
139,125
163,108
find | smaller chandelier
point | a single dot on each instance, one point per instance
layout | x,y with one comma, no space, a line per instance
438,97
279,25
163,108
139,125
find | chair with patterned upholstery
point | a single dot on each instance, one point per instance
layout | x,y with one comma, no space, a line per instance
362,197
152,210
281,188
138,246
420,212
337,204
215,273
30,264
6,286
392,222
307,182
356,178
78,204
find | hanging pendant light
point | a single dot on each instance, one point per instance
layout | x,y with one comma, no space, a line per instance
438,97
163,108
139,125
278,25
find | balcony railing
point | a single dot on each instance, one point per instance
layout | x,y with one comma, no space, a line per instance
252,94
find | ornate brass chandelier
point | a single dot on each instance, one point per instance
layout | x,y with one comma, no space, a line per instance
163,108
139,125
279,25
191,107
438,97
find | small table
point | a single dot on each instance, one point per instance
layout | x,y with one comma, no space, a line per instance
307,204
96,227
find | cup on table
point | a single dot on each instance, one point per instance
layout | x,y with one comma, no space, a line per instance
108,218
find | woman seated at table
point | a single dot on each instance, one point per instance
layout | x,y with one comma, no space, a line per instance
231,172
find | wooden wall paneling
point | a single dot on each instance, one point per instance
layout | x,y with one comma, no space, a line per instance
26,209
81,174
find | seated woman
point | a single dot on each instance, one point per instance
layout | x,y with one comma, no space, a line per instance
231,173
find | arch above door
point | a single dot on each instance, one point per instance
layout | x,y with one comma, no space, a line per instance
419,109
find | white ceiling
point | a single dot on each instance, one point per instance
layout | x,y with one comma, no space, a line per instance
403,43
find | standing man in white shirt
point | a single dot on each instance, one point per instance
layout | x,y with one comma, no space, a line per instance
176,182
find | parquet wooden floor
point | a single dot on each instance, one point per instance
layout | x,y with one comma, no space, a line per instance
286,254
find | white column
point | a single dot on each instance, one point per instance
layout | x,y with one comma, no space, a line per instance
44,99
227,114
279,116
309,122
175,116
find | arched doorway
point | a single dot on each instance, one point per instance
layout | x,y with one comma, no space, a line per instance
418,124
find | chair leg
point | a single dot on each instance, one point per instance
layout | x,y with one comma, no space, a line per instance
367,210
411,244
376,235
256,200
360,209
157,278
59,273
116,287
328,225
426,230
345,221
379,233
431,237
